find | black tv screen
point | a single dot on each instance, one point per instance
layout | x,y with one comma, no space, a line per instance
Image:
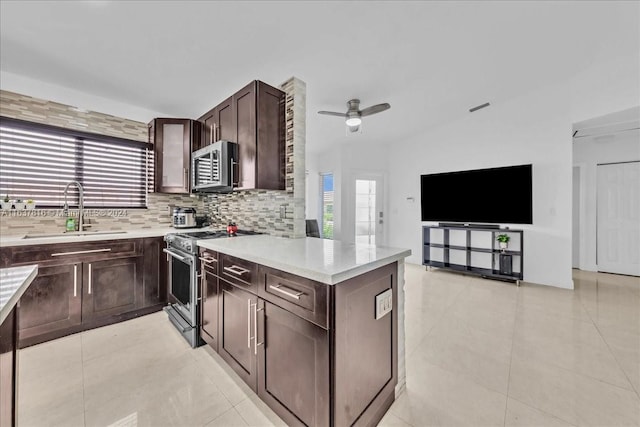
497,195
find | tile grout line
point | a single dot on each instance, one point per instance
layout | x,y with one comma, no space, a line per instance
513,338
595,325
544,412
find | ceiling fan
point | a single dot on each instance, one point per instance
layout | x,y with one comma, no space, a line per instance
353,116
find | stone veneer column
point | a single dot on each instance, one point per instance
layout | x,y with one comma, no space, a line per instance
295,139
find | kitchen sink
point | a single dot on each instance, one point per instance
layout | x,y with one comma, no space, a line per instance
76,234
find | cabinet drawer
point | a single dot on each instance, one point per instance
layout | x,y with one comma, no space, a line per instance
238,271
209,260
57,254
301,296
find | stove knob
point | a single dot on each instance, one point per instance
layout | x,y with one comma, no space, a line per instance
187,246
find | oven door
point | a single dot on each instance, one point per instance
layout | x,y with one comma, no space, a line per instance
183,284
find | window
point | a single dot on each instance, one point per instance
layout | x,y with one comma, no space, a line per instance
37,161
327,206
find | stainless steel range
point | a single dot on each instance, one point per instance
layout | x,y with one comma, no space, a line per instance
184,272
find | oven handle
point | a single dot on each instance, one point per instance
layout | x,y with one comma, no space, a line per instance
178,256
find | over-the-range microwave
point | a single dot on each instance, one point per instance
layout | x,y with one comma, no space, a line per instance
212,167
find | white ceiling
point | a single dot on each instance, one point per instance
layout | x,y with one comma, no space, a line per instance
431,61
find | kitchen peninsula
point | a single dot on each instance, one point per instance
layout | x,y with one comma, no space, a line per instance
314,326
13,282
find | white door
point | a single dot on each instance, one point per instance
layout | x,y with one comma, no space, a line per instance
618,194
576,218
369,216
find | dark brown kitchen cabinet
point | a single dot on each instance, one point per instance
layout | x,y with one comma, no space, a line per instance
209,305
300,344
293,366
260,134
52,303
84,285
237,325
254,119
111,287
155,272
173,144
9,369
218,124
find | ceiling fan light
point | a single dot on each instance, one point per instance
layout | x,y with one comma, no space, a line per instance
353,121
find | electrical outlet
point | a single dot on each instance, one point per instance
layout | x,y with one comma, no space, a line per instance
384,303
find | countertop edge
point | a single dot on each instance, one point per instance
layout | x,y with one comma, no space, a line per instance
318,276
13,300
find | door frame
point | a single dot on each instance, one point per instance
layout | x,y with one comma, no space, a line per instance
350,193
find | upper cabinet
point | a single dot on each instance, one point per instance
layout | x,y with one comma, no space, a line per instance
253,118
173,140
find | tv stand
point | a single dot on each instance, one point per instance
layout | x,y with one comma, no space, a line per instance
465,225
473,249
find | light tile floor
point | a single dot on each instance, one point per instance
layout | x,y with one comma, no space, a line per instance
479,353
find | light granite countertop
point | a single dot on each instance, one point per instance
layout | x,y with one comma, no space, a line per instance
322,260
13,282
19,240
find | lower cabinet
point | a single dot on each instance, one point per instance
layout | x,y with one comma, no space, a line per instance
52,303
209,308
236,330
82,286
111,287
293,366
316,354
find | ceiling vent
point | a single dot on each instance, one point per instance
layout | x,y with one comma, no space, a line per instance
479,107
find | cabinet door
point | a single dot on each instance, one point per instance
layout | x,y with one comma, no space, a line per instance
209,126
225,124
293,366
111,287
270,138
245,123
209,309
155,272
51,305
236,331
172,151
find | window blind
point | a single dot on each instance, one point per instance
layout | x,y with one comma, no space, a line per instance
38,161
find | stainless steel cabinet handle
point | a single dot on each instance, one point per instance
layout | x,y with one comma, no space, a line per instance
255,328
89,278
213,129
208,260
237,270
284,291
92,251
75,280
248,323
203,286
185,176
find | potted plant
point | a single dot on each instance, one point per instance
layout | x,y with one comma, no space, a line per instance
31,204
503,241
6,204
18,204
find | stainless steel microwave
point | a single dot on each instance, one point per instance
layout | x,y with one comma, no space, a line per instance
212,168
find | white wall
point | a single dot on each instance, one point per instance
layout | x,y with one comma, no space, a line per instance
587,153
531,129
64,95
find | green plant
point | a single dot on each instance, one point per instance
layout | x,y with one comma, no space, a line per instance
18,201
6,199
30,201
504,238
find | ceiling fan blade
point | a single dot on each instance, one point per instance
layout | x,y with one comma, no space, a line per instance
332,113
374,109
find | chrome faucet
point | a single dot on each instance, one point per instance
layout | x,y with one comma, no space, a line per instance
80,203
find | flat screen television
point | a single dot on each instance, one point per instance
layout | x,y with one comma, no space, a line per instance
497,195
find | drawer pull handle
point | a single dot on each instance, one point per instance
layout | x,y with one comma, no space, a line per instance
89,278
249,323
75,280
92,251
238,271
208,259
285,291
